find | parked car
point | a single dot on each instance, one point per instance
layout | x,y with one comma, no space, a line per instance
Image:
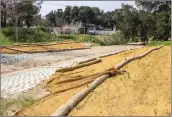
91,30
97,30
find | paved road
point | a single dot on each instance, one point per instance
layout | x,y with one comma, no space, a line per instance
20,75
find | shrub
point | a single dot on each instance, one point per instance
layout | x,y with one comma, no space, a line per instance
8,32
118,38
136,39
42,29
27,34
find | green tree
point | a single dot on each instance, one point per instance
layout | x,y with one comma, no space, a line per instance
3,13
67,14
126,20
163,26
30,8
51,17
145,23
75,14
109,21
99,16
160,12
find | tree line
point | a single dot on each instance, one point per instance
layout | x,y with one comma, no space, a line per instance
14,12
148,19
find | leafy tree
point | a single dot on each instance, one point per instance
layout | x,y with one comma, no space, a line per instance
52,18
163,26
86,15
16,11
67,14
160,12
144,23
75,14
30,8
126,20
108,20
3,13
99,16
14,14
151,20
58,17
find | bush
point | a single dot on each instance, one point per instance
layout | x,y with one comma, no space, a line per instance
27,34
7,31
136,39
118,38
42,29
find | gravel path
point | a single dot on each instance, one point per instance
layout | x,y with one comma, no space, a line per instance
30,69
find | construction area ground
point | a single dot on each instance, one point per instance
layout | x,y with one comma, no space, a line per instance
143,89
47,47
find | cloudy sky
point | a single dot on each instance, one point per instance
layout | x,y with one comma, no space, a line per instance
47,6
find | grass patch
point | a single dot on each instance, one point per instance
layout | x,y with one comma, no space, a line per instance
67,37
5,41
26,35
158,43
38,35
11,105
81,38
114,39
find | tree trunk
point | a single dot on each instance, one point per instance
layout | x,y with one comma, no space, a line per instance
16,29
147,41
5,19
28,22
16,33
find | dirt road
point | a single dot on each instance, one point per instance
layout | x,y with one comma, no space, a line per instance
48,59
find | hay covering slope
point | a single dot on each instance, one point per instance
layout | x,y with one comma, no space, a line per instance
143,91
42,48
113,91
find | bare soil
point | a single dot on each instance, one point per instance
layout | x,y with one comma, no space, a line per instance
8,51
143,90
50,60
35,48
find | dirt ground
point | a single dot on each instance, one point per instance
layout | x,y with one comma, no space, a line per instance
143,90
58,58
8,51
35,48
106,63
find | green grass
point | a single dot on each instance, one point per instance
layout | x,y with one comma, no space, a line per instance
19,103
81,38
31,35
158,43
5,41
97,39
25,35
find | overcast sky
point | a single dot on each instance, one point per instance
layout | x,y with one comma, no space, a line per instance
47,6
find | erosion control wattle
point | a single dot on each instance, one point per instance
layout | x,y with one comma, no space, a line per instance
65,109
